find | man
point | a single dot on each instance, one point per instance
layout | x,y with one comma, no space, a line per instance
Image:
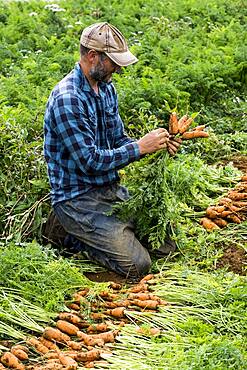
85,146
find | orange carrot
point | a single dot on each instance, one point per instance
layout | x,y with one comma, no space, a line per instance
146,278
52,355
53,366
220,222
37,345
76,346
214,211
83,292
199,128
89,365
139,288
186,125
89,356
149,304
68,362
173,124
142,296
90,340
194,134
116,312
70,317
115,286
67,327
237,196
97,327
208,224
19,353
181,122
244,178
97,316
73,306
55,334
11,361
234,218
224,201
49,344
240,204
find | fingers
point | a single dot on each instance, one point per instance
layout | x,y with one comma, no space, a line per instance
173,145
161,132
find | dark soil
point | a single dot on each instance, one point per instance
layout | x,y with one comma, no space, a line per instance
105,276
234,259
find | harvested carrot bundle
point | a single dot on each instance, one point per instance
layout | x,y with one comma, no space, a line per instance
67,327
11,361
68,362
19,353
89,356
56,335
194,134
208,224
35,343
173,124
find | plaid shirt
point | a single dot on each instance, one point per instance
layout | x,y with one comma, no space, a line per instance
85,143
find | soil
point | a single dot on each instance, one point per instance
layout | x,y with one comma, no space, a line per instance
239,162
105,276
234,259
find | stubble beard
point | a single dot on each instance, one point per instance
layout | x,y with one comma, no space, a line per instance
99,74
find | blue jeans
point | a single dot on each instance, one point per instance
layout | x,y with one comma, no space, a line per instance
105,238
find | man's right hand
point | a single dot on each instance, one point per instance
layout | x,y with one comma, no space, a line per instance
153,141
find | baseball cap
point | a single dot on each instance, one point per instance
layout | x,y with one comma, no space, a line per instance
106,38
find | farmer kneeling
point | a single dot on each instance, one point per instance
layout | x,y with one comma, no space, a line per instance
85,146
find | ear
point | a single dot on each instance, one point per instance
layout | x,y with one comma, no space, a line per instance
92,55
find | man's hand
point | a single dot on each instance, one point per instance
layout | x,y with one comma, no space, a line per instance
153,141
173,145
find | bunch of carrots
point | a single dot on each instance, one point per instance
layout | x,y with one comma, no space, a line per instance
78,338
180,127
232,208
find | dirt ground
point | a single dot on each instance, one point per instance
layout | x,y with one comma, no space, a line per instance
234,259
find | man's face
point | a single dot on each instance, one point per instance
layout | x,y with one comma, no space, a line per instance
104,68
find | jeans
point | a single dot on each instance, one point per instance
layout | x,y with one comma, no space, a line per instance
105,238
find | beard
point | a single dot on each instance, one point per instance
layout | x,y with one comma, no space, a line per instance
99,73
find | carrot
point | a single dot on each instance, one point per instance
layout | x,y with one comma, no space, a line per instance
51,355
70,317
67,327
116,312
181,122
73,306
224,201
234,218
68,362
89,365
199,128
22,347
97,316
150,304
208,224
77,298
237,196
11,361
124,303
142,296
19,353
115,286
220,222
244,178
146,278
53,366
89,356
90,340
214,211
97,327
240,204
55,334
49,344
108,304
185,125
37,345
194,134
139,288
76,346
83,292
173,124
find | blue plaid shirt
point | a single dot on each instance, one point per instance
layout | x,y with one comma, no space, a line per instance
85,143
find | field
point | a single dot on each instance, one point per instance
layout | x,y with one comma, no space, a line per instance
192,60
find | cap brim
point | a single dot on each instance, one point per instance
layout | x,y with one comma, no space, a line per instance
122,59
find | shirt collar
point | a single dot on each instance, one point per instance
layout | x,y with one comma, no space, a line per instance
84,84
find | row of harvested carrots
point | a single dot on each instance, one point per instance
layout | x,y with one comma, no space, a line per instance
232,208
89,341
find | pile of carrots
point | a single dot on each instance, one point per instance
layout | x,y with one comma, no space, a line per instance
79,338
232,208
180,127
